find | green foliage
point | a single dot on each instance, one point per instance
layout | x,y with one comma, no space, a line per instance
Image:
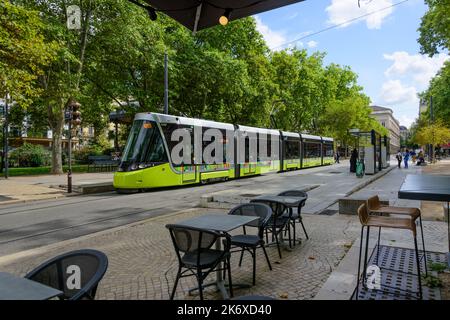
432,281
23,51
435,134
82,155
30,155
439,90
438,267
435,27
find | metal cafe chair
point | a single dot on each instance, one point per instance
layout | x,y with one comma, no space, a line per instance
75,273
277,222
368,221
250,242
193,247
297,215
375,206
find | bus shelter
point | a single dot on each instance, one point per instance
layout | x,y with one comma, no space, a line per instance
370,150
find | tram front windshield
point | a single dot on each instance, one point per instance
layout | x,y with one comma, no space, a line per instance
144,146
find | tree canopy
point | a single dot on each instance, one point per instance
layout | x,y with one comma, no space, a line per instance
435,27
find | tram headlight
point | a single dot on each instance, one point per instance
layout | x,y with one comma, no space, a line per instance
133,166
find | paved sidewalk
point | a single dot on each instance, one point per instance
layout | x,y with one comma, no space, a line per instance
41,187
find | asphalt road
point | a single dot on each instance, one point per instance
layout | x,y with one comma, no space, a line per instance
31,225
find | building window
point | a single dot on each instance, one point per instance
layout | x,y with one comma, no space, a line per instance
383,123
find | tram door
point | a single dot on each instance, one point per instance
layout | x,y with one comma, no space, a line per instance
249,167
188,173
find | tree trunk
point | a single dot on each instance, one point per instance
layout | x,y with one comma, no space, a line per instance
57,129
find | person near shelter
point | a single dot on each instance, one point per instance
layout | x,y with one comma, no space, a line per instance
353,158
406,158
336,157
399,158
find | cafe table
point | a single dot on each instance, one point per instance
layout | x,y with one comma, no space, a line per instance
428,187
219,223
16,288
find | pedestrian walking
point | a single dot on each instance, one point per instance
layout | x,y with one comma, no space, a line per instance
399,158
406,158
336,157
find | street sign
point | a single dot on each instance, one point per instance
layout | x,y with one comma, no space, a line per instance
353,130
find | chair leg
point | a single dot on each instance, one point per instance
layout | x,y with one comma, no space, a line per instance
278,243
423,246
378,245
294,231
418,266
267,257
289,233
365,257
242,255
254,265
303,226
230,283
175,284
359,262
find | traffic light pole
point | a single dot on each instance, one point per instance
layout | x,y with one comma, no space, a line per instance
69,171
5,140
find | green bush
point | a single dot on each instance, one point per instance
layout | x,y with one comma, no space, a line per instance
30,155
82,155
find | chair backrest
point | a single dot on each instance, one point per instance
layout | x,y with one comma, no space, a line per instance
373,203
295,193
76,273
278,208
363,214
195,240
261,210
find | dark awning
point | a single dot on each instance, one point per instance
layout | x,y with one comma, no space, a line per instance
201,14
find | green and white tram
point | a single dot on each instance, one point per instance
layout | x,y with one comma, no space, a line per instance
154,140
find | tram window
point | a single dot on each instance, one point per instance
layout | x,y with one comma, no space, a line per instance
292,149
312,150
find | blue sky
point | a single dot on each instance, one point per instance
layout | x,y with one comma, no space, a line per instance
381,48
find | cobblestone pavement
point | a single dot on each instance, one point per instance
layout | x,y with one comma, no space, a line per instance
142,262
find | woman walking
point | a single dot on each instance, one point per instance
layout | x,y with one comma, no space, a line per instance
406,158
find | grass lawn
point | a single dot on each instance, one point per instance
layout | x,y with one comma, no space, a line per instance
43,170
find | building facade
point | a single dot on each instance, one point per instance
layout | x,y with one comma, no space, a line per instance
404,135
385,117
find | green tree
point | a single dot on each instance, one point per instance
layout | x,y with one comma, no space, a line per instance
435,134
24,52
439,89
435,27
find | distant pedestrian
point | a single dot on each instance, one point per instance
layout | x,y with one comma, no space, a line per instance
399,159
353,159
406,158
336,157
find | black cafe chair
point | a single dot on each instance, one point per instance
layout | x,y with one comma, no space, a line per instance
277,222
193,247
250,242
296,216
75,273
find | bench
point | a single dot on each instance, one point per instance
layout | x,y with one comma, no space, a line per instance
102,163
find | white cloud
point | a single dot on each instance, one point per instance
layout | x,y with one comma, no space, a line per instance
312,44
340,11
406,120
394,92
273,38
417,67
